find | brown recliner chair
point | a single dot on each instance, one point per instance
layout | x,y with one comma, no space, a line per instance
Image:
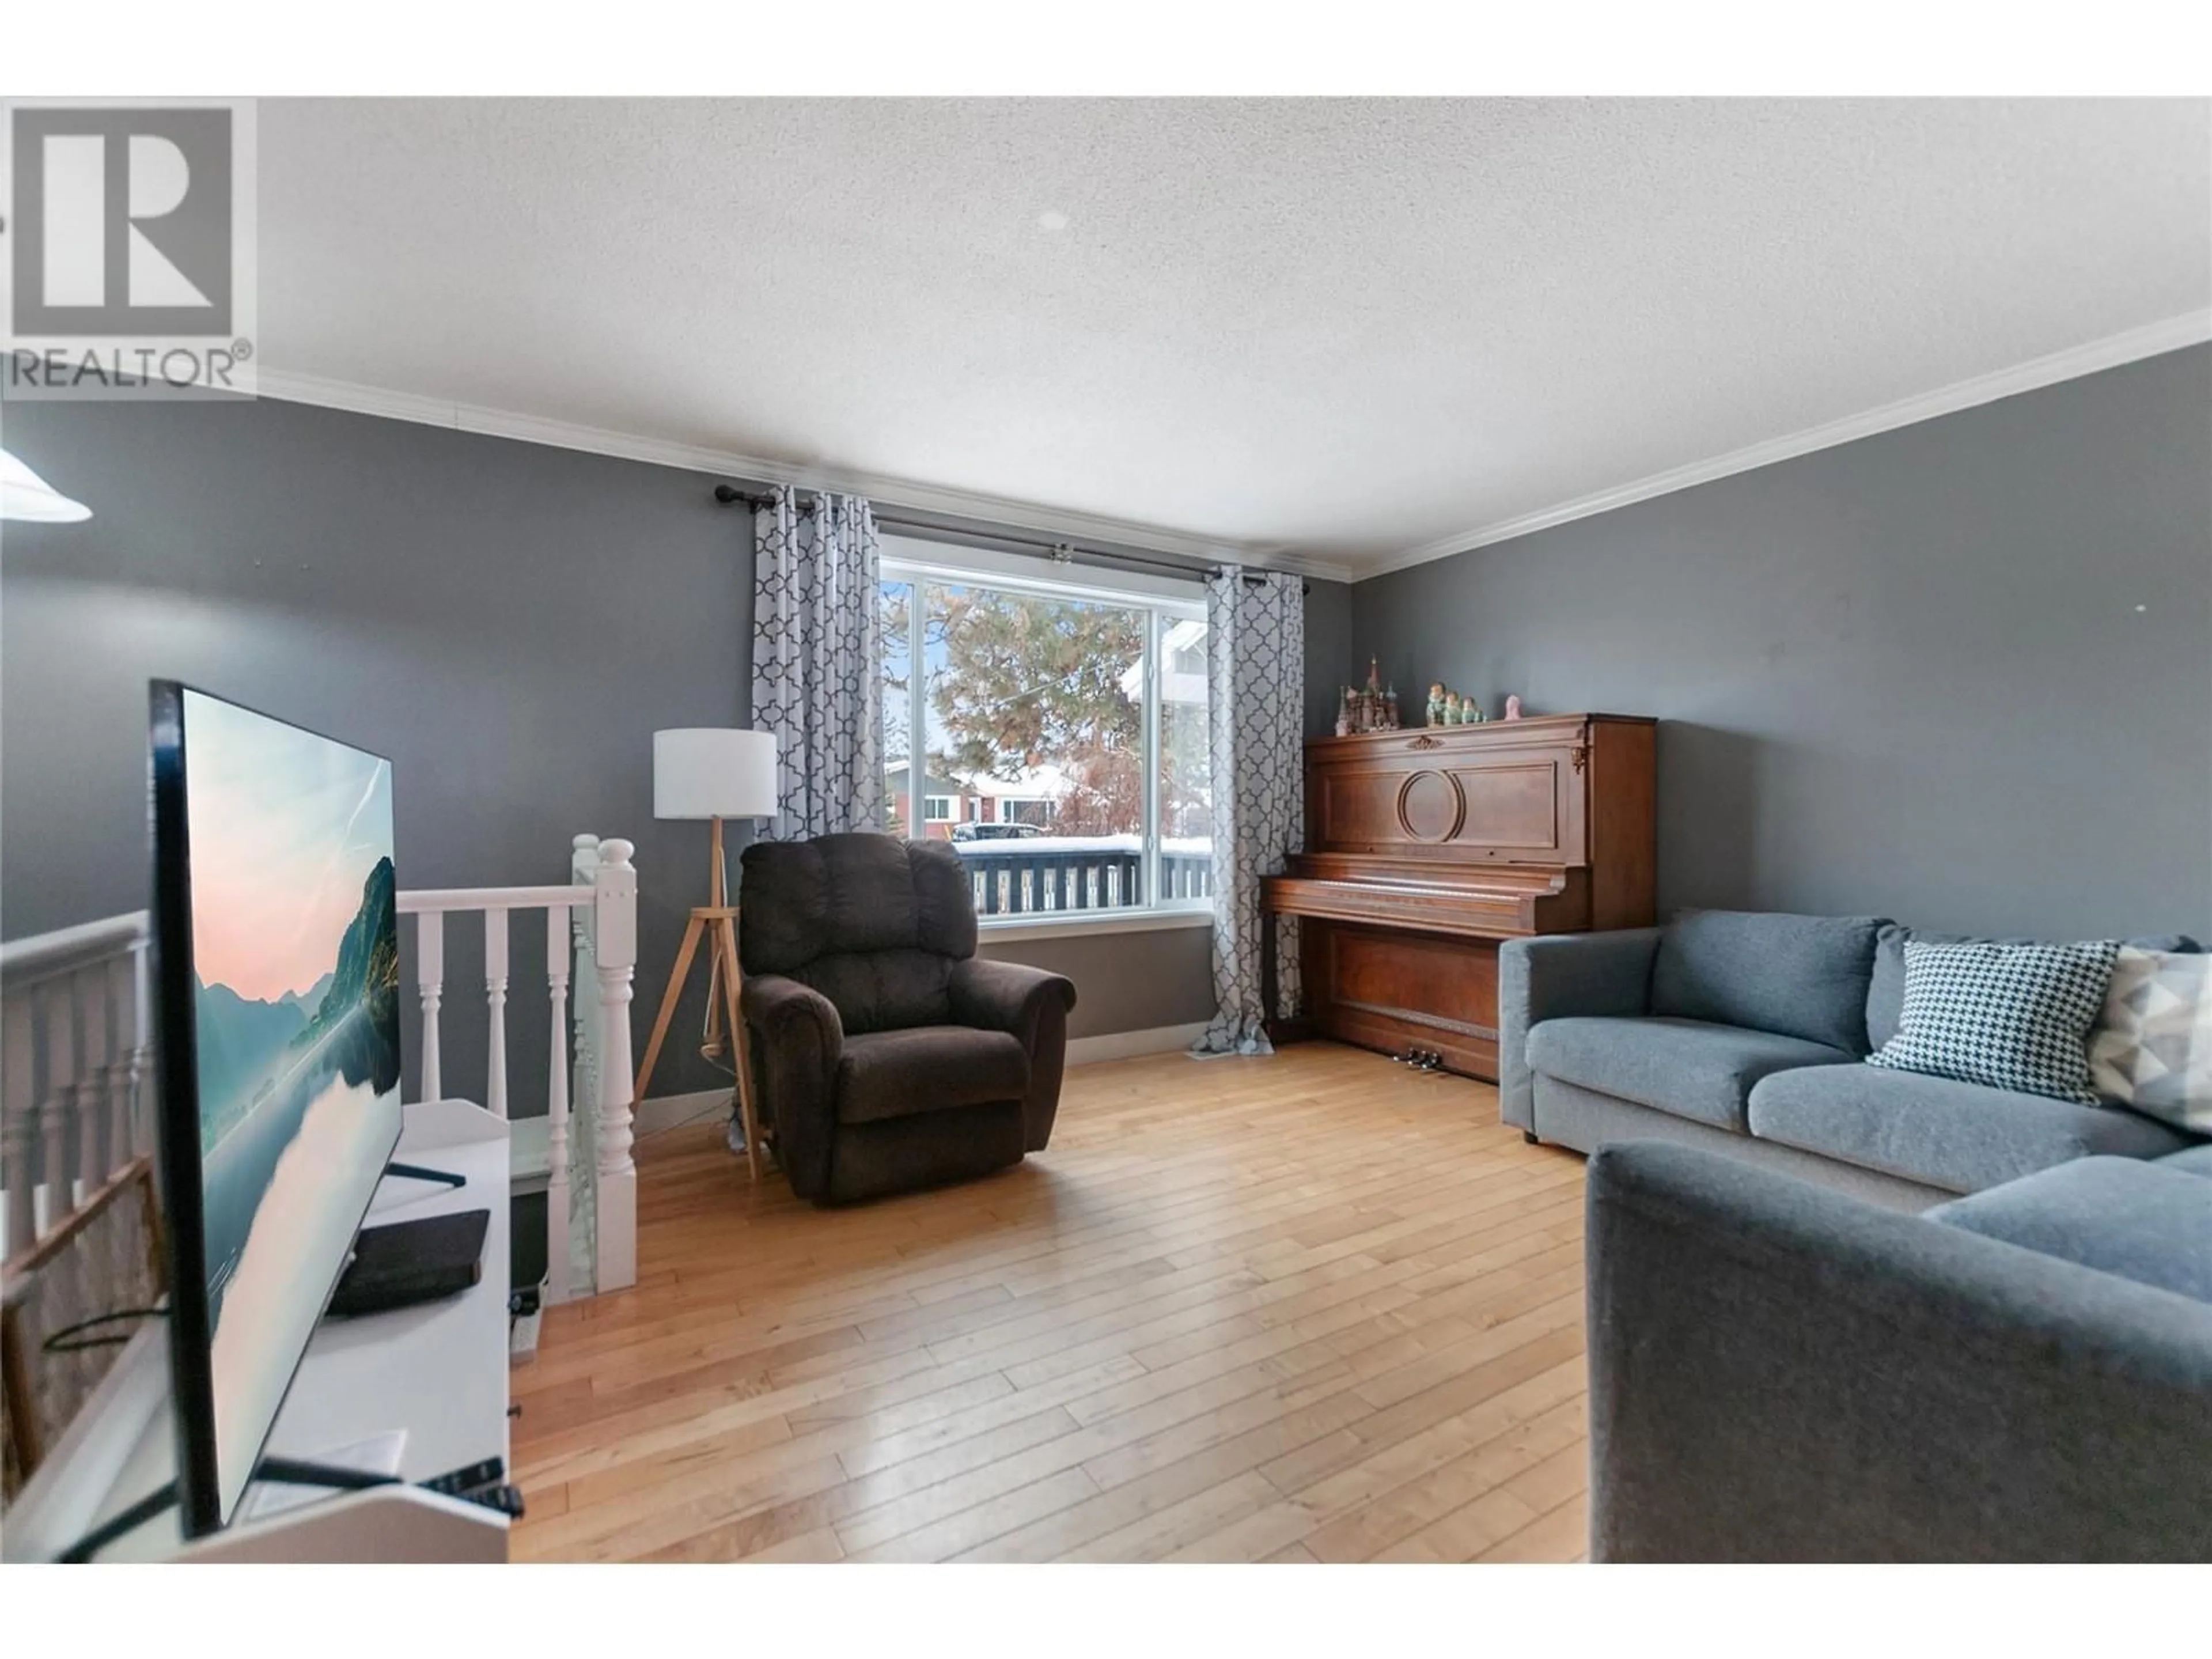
885,1056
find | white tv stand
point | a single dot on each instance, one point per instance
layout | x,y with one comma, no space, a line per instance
439,1371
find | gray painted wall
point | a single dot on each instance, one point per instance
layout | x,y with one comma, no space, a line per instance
441,598
1329,650
1960,674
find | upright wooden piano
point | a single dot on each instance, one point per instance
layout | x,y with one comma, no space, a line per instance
1432,845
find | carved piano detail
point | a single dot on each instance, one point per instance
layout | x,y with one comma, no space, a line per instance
1431,846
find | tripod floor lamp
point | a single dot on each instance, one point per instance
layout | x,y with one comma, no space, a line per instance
704,772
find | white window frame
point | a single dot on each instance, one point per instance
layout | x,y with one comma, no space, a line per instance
1165,599
946,802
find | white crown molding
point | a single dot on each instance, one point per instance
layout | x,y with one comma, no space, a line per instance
2172,335
289,387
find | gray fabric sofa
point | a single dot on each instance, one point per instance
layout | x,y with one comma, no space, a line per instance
1782,1373
1746,1033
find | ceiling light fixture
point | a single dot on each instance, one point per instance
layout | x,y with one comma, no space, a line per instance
1054,220
24,495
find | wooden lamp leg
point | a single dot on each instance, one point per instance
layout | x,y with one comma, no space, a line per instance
718,923
710,1041
725,949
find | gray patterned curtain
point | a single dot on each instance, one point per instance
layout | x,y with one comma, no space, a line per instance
1256,644
817,662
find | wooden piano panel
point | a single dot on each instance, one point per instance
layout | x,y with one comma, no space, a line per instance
1523,804
1428,846
1517,807
1393,990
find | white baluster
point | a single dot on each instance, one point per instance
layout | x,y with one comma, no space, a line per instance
141,1051
557,1106
18,1081
430,980
122,1014
89,990
495,1000
54,1113
614,942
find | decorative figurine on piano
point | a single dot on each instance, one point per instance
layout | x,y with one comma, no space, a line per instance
1369,707
1449,708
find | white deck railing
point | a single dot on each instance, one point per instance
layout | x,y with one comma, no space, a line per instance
76,1071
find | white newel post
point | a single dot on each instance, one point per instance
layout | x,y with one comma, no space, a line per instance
557,1106
495,1008
123,1009
615,948
430,981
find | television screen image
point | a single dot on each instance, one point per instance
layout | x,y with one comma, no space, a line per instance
276,906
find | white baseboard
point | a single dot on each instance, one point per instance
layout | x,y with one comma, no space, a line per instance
1123,1045
658,1112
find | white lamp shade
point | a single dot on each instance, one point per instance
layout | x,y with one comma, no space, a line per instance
24,495
710,772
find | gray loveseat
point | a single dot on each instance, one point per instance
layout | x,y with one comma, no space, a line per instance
1782,1373
1746,1033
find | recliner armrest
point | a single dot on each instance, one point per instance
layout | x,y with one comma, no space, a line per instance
797,1040
1006,996
1033,1005
1555,976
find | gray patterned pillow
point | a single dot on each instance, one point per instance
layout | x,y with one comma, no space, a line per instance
2152,1049
2007,1016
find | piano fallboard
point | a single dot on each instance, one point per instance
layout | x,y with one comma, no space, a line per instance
1388,899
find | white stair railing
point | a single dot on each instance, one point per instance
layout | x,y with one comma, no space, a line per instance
601,1253
75,1059
75,1054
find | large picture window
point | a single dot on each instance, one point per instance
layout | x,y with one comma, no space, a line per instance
1053,731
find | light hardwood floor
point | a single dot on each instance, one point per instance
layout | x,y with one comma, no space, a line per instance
1315,1308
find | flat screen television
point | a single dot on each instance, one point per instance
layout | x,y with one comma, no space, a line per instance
276,941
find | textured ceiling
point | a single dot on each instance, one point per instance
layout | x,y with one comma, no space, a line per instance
1341,329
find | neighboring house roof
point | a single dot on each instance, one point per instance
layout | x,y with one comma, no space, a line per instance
1183,685
1033,783
895,777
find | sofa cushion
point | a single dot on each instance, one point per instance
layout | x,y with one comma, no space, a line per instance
1961,1137
1689,1067
1800,977
2193,1160
2151,1048
886,1074
2120,1215
2009,1016
1886,989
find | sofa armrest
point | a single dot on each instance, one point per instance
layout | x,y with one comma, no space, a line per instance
1032,1004
1558,975
1780,1373
797,1040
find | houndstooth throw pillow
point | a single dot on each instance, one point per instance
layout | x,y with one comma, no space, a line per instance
2152,1049
2010,1016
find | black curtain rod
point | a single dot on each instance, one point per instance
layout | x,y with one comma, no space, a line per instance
1058,552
